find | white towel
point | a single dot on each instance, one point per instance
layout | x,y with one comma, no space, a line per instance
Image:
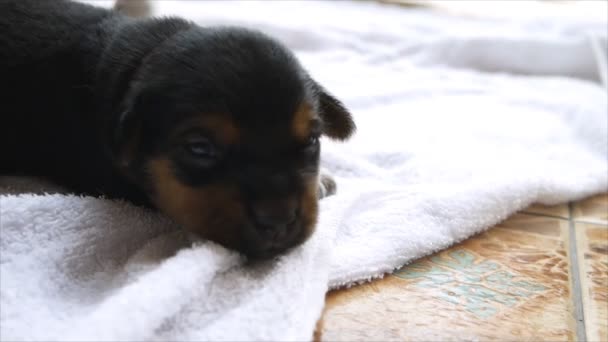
461,123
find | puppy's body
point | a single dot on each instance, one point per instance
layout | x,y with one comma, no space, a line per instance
53,104
216,127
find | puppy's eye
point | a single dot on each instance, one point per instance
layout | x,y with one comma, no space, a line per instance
313,140
201,148
311,145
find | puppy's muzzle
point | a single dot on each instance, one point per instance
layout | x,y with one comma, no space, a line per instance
274,217
275,224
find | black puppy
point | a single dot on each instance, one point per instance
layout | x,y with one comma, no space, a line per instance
217,127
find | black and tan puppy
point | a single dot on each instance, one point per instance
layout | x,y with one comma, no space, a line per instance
216,127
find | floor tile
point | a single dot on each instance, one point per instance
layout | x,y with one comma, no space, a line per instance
592,249
560,211
594,209
510,283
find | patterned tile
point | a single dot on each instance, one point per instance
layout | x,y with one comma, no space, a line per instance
510,283
593,209
483,288
592,249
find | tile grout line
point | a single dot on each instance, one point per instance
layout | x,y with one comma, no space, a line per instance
543,215
596,223
577,293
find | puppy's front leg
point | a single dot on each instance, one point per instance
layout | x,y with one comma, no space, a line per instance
327,185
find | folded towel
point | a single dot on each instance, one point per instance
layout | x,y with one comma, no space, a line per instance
456,132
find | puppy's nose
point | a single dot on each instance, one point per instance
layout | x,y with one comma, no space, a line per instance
274,216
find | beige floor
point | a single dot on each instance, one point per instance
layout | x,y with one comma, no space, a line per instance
540,275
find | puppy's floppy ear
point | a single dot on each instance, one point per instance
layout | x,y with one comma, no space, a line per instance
126,131
125,137
136,120
337,121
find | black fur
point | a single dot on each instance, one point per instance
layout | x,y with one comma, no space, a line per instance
79,83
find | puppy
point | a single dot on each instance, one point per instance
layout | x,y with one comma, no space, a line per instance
216,127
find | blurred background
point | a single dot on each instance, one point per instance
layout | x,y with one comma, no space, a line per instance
587,10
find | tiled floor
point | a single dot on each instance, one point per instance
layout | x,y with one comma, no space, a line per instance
592,248
540,275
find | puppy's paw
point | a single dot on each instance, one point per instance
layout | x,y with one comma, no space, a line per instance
327,185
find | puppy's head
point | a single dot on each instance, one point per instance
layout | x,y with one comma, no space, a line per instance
221,128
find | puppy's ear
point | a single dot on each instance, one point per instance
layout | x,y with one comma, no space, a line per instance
135,122
337,121
125,138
